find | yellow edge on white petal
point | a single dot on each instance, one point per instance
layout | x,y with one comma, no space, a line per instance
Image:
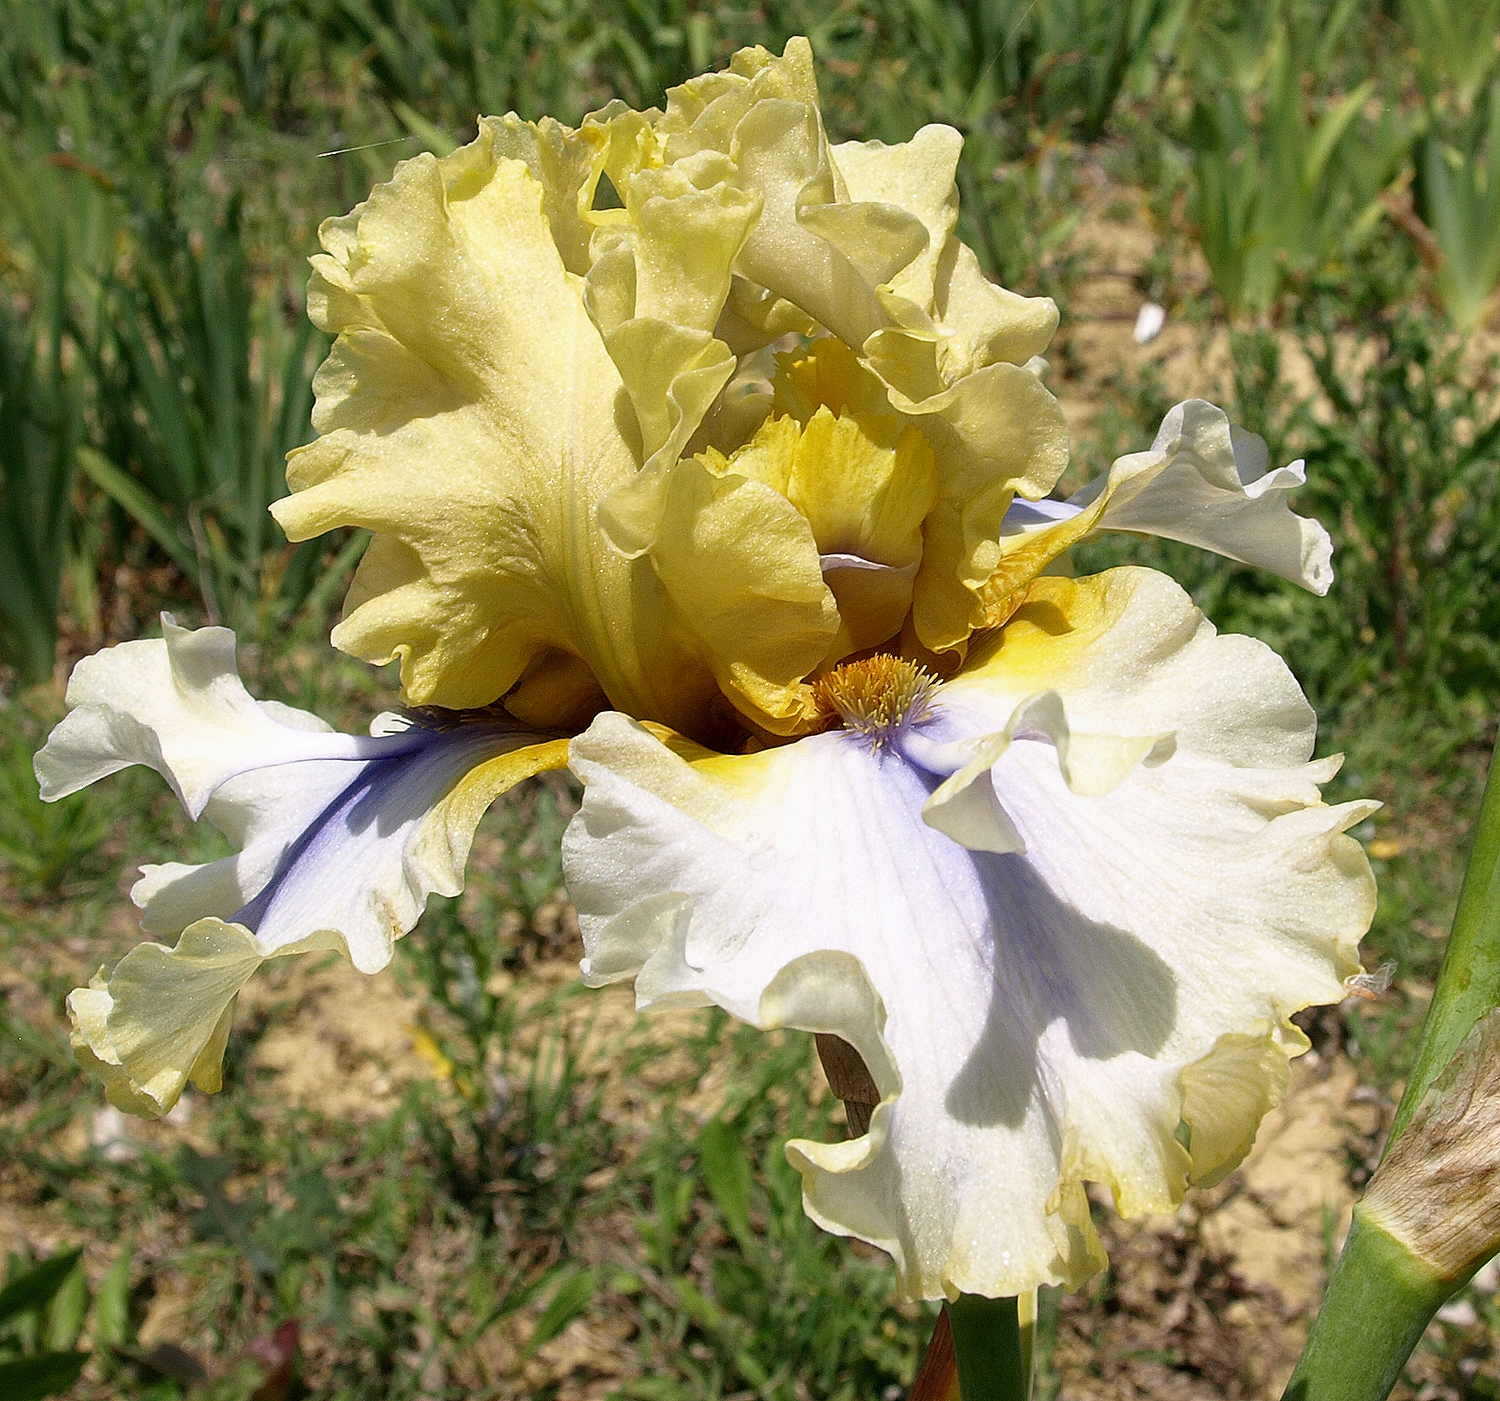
162,1017
442,845
1234,1086
1238,1083
1055,623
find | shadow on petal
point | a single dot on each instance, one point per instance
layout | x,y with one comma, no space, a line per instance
1051,962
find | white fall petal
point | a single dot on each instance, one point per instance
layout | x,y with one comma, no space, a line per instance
178,706
1206,483
1095,986
339,841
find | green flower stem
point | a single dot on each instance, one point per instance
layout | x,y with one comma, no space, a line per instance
1379,1302
993,1349
1468,987
1382,1297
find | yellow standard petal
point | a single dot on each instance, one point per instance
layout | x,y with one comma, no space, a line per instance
741,564
657,287
800,548
466,416
999,433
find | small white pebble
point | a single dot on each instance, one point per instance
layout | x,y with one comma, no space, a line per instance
1460,1313
1148,322
108,1133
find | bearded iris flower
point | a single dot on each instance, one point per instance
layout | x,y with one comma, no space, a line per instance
705,441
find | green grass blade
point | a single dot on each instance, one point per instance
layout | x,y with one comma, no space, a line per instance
40,424
726,1170
111,1326
569,1300
138,503
43,1374
1330,131
432,136
36,1288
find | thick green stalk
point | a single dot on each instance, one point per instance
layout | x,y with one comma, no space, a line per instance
993,1348
1468,987
1383,1293
1379,1302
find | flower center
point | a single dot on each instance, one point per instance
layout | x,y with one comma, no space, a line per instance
876,696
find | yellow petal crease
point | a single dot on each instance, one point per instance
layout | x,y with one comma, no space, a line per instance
467,417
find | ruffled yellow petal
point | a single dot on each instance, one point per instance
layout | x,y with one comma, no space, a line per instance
827,374
467,418
997,433
812,245
759,549
917,175
1024,557
704,112
741,564
948,315
565,163
657,287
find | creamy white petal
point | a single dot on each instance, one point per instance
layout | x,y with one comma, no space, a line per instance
334,856
1033,1021
178,706
333,852
352,849
1206,483
336,833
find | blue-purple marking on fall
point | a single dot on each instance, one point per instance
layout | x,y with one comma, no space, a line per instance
423,764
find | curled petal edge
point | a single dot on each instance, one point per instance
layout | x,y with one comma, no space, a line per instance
829,992
162,1018
965,805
